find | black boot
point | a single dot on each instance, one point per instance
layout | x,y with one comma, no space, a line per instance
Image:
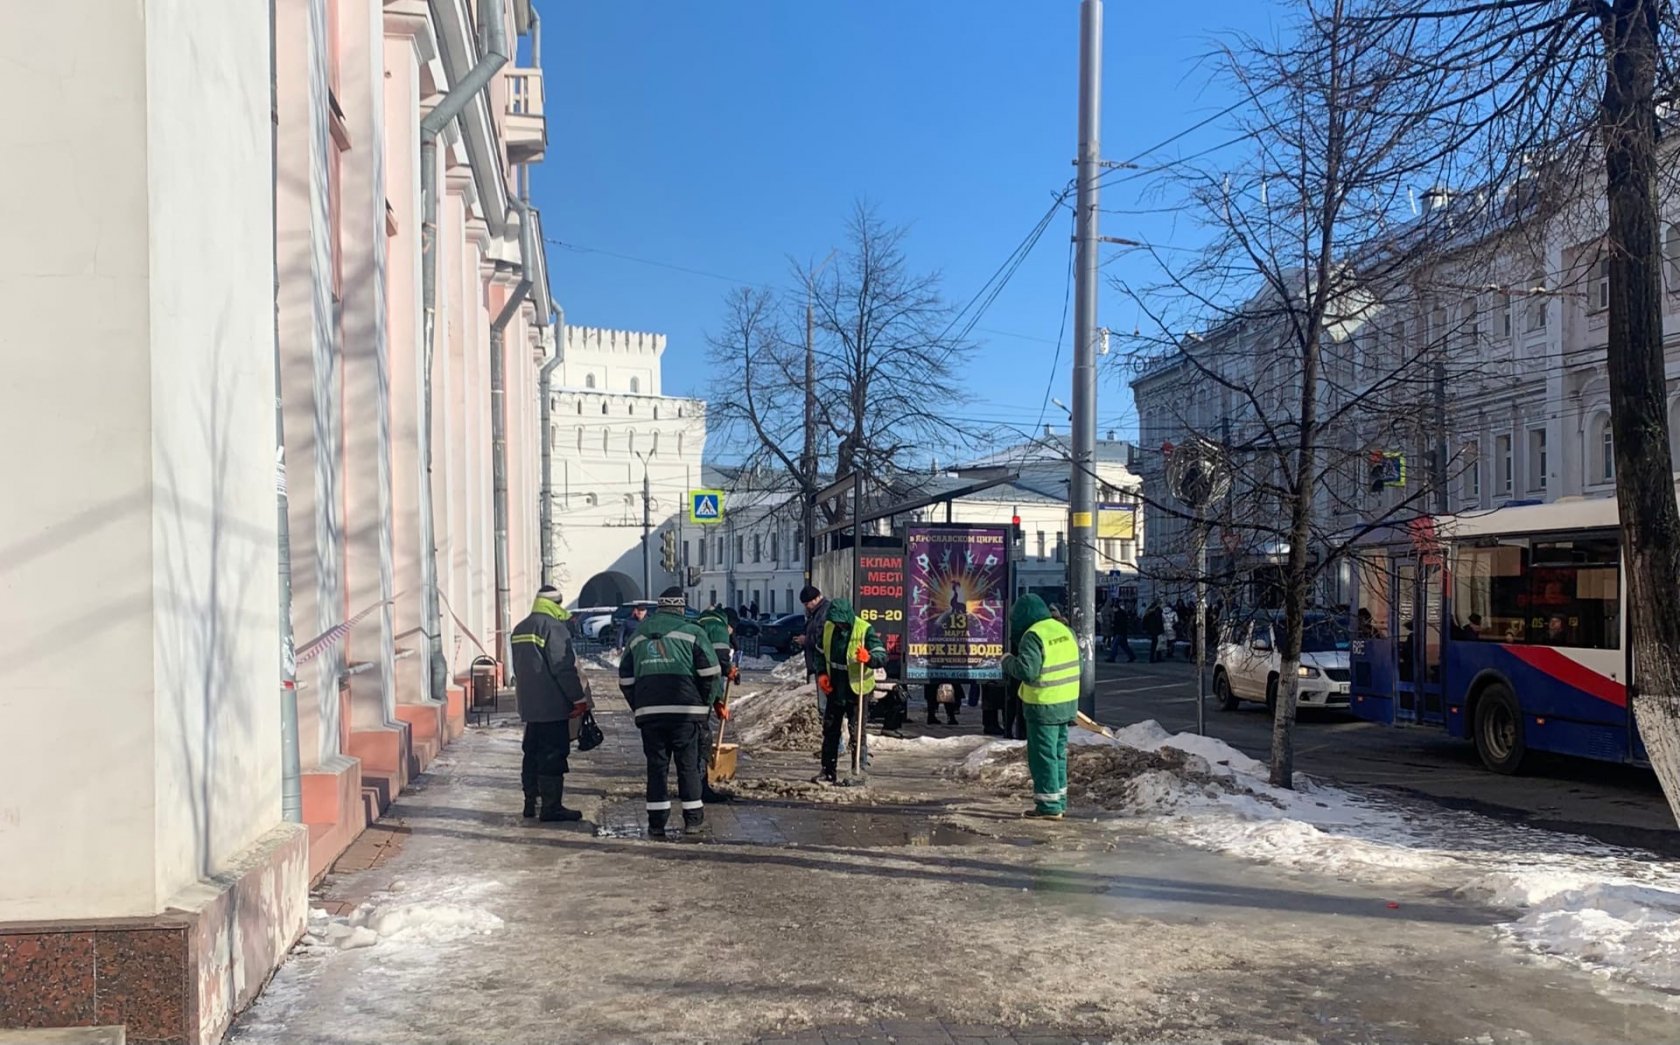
530,807
552,789
707,794
656,822
694,821
951,715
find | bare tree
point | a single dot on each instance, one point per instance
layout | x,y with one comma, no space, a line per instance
887,353
1316,248
1585,88
757,408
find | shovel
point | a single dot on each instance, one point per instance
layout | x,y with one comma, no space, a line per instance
722,764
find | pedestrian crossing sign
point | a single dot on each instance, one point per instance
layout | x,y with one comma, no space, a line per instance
705,507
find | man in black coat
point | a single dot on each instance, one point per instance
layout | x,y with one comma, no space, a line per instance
551,694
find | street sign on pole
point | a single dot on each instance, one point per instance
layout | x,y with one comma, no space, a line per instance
705,507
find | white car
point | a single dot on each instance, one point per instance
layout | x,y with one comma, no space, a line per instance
1249,664
593,619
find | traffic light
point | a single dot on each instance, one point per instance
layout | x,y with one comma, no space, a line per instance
668,551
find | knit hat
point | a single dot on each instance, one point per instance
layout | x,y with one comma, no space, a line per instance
809,592
672,598
549,592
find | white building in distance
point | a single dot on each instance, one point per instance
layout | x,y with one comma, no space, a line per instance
613,426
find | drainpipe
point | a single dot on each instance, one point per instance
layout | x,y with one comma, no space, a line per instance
291,765
545,386
536,38
496,55
498,429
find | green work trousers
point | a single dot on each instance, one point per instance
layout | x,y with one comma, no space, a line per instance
1047,752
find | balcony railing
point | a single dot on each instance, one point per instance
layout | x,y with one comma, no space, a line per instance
525,92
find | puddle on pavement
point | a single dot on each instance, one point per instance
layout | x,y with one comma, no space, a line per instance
745,823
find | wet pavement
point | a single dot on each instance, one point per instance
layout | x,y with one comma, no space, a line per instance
916,909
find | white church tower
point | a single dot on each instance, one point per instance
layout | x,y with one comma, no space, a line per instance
612,424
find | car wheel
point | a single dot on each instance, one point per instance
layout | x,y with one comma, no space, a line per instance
1222,693
1272,696
1499,730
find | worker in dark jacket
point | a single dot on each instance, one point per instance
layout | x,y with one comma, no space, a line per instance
719,626
551,694
816,612
670,675
1046,661
851,651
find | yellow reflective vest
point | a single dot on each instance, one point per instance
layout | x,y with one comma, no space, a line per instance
1058,678
861,676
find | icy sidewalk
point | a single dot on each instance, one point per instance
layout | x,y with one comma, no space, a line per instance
1613,911
920,908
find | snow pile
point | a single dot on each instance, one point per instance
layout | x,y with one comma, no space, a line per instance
781,719
604,661
962,744
757,663
422,922
790,670
1613,911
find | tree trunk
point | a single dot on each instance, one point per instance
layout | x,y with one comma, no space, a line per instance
1638,385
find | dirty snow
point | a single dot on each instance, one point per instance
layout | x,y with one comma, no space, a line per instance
790,670
780,719
757,663
1613,911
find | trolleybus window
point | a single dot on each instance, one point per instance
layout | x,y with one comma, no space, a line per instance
1540,591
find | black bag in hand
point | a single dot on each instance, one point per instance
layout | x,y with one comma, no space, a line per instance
590,736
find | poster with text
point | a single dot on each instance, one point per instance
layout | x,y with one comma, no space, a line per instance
880,598
956,612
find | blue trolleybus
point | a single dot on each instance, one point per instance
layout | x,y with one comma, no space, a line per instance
1503,627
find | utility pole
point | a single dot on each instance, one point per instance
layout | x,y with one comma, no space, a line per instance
808,459
647,529
1082,512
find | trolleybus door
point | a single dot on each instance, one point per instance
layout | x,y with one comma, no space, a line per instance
1372,652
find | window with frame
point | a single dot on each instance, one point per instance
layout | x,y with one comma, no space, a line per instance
1599,298
1505,316
740,549
1551,591
1537,462
720,561
1061,546
1469,322
589,382
702,550
775,546
798,548
1537,301
758,548
1041,545
1671,256
635,385
685,553
1471,483
1606,451
1502,460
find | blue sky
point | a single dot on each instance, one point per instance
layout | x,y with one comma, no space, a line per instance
724,136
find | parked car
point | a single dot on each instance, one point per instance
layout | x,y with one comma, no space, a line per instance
1249,663
778,634
590,621
606,628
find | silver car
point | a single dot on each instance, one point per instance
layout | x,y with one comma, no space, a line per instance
1249,663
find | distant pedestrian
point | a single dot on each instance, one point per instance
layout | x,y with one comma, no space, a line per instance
1046,662
670,675
1154,626
550,693
1120,633
628,626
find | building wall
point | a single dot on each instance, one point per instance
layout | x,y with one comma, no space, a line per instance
598,433
158,563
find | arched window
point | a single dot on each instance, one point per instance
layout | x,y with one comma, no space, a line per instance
630,408
603,440
635,386
1601,451
656,411
679,444
630,441
580,440
655,449
580,408
589,380
1671,256
1537,299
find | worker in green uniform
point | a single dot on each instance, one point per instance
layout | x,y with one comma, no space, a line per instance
1046,663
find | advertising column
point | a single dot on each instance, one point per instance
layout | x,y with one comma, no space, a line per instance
956,613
